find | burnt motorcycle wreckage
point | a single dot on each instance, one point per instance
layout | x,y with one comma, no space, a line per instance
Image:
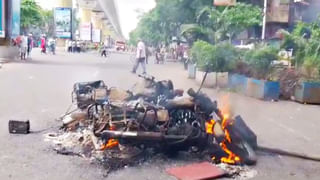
155,115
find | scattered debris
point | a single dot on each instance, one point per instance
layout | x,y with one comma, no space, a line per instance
119,128
238,172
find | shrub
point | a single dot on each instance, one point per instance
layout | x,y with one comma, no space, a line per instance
224,57
311,67
202,53
217,58
260,60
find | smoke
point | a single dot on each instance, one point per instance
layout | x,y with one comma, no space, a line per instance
225,105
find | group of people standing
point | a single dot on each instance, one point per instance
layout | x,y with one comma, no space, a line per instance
50,43
73,46
25,44
143,52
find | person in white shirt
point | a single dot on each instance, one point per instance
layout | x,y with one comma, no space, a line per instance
23,47
140,57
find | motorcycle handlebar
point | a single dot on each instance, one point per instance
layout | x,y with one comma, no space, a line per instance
151,78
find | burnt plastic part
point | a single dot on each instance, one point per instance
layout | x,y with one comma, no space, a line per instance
244,150
178,92
239,129
83,92
85,87
191,92
203,101
19,127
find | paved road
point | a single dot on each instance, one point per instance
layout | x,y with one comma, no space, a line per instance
39,90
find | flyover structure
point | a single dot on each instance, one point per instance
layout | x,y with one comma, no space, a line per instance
102,14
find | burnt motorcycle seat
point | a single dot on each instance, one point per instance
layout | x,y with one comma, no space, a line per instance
180,102
117,94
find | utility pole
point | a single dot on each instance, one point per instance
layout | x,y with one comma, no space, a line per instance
264,19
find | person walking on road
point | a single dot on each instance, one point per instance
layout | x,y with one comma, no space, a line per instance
30,45
140,57
104,50
43,45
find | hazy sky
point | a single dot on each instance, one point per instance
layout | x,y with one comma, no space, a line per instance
47,4
127,10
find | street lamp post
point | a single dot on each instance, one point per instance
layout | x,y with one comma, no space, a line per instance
264,19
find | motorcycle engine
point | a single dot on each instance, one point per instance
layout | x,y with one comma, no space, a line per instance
182,122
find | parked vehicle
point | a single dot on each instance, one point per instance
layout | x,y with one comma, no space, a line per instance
120,46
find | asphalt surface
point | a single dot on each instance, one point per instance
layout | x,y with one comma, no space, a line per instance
40,90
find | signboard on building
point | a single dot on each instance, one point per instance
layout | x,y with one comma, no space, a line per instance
85,31
96,35
14,27
63,24
2,19
278,11
224,2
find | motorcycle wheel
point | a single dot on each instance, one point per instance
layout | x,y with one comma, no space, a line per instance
245,151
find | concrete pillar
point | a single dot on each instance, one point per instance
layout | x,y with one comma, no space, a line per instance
97,23
105,32
7,51
65,4
85,16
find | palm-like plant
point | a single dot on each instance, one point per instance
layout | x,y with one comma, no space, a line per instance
305,40
215,25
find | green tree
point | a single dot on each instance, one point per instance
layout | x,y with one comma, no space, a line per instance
164,21
218,24
47,22
30,15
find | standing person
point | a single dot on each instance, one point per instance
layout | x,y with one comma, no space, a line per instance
30,45
70,46
148,54
78,46
140,57
43,44
74,46
23,47
18,44
104,50
52,45
157,55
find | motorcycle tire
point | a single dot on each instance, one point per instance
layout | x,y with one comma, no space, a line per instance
245,151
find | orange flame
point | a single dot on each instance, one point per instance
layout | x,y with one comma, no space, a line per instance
231,158
111,142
